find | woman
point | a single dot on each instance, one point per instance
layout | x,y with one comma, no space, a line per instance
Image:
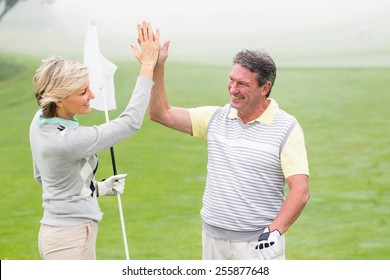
64,152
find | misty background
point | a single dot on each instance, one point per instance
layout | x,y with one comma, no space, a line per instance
296,33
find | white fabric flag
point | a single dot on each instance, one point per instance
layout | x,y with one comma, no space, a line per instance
101,72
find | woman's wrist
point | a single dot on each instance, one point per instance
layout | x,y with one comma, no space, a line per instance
147,70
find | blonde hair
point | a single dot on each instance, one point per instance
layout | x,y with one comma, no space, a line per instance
55,79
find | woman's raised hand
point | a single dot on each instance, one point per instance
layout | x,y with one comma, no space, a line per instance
149,43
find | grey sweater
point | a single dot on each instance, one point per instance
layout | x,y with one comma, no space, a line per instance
64,158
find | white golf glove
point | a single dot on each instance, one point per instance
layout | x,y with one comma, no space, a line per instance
268,246
112,185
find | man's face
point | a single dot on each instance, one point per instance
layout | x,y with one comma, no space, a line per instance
245,94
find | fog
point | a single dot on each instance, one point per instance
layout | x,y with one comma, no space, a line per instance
298,33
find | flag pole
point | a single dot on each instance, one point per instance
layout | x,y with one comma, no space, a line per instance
115,173
101,78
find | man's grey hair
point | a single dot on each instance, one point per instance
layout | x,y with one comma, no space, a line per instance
260,62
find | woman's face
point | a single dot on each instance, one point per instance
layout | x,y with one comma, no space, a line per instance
76,103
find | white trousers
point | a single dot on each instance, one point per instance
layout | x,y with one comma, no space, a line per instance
219,249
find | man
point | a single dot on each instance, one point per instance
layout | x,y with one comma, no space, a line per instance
254,148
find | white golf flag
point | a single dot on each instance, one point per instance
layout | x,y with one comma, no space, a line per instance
101,72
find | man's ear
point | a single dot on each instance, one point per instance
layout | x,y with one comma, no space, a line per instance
59,104
266,88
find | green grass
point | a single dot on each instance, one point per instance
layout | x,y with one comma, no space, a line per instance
343,113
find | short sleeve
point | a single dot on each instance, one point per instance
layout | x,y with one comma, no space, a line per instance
294,156
200,118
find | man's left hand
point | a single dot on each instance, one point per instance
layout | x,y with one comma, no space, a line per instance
268,244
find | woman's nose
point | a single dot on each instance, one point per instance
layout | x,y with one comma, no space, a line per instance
91,95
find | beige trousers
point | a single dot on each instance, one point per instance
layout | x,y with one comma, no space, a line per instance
68,243
219,249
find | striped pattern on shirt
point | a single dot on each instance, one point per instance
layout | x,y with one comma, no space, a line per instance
245,183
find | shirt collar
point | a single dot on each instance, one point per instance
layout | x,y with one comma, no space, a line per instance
67,123
266,117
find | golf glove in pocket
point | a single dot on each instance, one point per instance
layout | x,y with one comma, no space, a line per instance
268,246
